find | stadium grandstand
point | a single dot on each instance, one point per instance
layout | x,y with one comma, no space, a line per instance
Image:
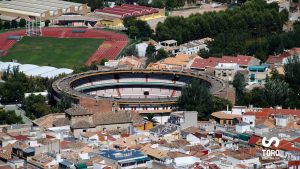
34,70
112,17
40,9
141,90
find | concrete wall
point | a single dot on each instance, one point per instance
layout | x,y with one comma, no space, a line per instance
52,147
190,120
125,126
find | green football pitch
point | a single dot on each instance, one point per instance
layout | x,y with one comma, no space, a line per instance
57,52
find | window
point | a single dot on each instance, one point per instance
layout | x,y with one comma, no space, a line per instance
84,131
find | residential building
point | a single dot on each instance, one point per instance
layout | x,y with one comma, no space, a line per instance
243,61
226,71
125,159
184,119
258,74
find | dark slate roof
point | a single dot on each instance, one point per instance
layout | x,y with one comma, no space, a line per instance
77,110
82,125
112,118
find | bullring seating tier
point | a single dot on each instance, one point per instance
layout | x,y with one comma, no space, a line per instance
109,49
128,92
68,84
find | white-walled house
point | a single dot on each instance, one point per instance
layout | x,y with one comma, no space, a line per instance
194,140
242,127
249,117
261,129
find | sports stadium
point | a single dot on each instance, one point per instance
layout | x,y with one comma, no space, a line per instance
141,90
110,48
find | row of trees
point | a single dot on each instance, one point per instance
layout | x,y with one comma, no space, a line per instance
238,31
17,84
12,24
197,97
279,90
168,4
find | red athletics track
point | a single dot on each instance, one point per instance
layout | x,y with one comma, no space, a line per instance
110,48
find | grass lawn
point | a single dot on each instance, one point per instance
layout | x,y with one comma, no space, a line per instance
57,52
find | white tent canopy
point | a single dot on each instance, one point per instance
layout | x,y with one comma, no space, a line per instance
34,70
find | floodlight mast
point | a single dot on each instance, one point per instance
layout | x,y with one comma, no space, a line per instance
34,26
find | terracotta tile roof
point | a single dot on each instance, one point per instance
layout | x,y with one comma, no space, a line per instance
222,115
77,110
48,120
267,122
72,145
82,125
64,144
6,167
6,152
287,146
253,139
292,125
61,122
88,134
282,111
154,152
213,61
278,58
295,50
112,118
21,137
192,130
176,154
265,113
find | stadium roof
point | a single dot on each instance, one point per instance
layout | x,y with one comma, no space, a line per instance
126,10
56,72
36,7
40,70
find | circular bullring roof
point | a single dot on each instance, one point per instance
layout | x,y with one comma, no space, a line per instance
141,85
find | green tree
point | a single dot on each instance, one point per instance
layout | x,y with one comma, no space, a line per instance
1,24
133,32
277,93
275,74
22,23
93,65
256,98
157,4
239,83
35,106
47,22
130,50
197,97
14,24
292,74
150,51
10,117
143,2
6,25
102,62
